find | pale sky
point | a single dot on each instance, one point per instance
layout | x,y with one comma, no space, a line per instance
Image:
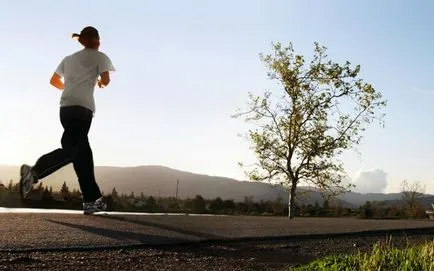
183,67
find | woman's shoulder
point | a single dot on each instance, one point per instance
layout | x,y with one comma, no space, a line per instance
102,54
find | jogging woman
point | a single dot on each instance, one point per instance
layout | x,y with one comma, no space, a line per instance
80,72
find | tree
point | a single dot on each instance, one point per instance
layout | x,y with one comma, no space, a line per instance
132,196
114,194
199,204
411,193
10,185
248,201
278,206
65,191
337,209
325,208
188,204
366,210
75,194
216,205
229,205
322,109
174,204
151,203
47,194
40,187
326,204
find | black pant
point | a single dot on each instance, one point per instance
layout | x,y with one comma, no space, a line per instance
76,121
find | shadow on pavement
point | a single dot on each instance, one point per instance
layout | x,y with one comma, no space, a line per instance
122,235
165,227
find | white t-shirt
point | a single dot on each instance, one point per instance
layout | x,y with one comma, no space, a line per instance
80,72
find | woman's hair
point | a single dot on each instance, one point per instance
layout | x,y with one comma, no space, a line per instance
88,37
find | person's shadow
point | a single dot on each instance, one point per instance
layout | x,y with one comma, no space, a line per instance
141,237
137,238
202,235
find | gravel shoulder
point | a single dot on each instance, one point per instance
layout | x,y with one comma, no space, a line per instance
265,254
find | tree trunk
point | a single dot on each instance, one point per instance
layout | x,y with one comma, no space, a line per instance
291,202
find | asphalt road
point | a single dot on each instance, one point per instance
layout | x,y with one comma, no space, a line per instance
57,231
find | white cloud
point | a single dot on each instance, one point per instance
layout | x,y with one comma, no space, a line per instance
370,181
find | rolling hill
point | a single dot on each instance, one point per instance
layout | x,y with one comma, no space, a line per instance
161,181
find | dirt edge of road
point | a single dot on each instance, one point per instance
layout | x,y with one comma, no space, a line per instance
264,253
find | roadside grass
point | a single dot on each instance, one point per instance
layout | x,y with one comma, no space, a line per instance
381,257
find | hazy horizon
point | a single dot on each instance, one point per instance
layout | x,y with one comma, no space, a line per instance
184,67
67,174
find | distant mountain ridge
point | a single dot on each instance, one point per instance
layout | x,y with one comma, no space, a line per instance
161,181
